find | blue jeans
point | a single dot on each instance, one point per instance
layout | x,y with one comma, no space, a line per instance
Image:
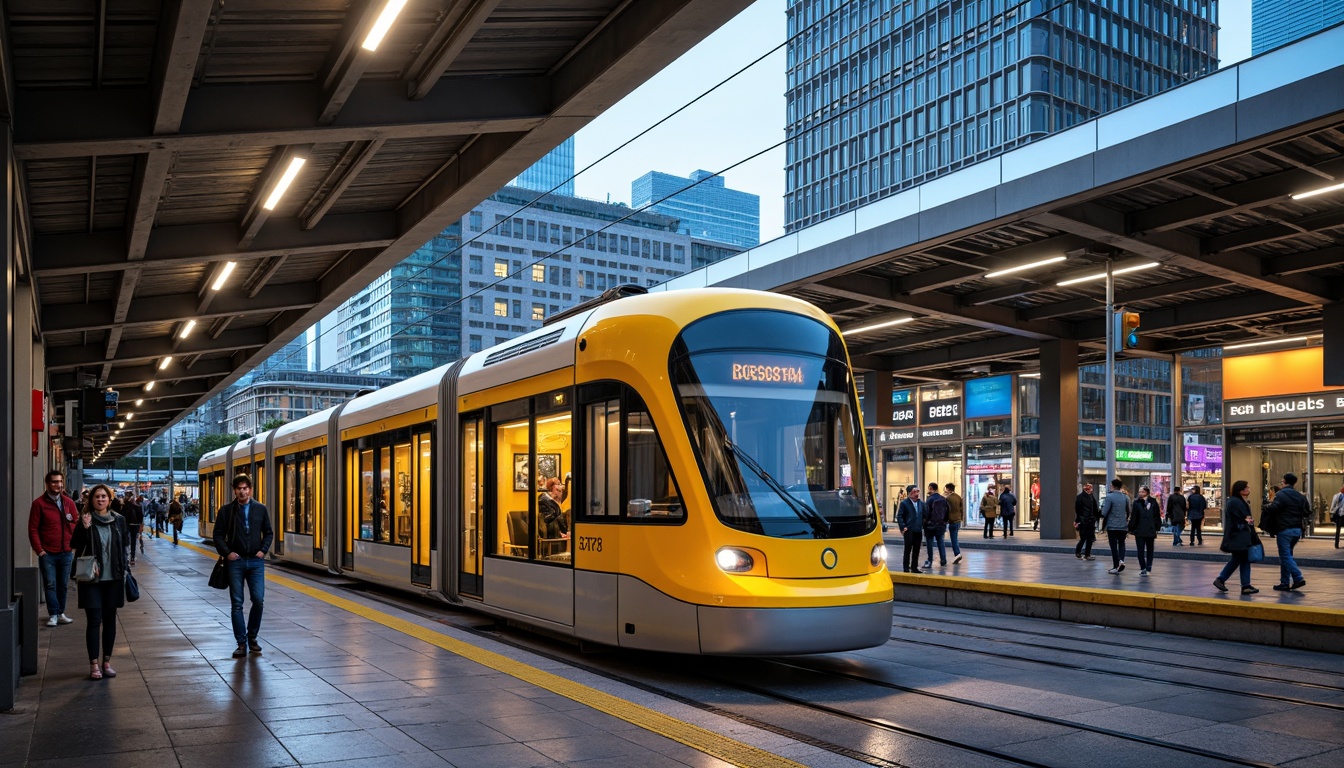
952,529
56,579
1176,530
1288,570
252,571
1238,560
929,536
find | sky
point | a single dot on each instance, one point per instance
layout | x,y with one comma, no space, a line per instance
743,118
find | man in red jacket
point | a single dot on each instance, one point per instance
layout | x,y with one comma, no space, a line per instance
51,522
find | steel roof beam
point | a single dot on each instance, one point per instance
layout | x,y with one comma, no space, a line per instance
1198,313
1232,199
1146,293
194,244
63,123
348,59
139,375
1001,319
144,350
955,355
955,274
58,318
913,340
457,26
1185,251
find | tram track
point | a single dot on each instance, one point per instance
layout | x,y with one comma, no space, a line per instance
1131,676
1148,648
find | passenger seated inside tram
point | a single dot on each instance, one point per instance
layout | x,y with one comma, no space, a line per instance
548,509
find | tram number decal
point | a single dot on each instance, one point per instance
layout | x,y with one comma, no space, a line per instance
590,543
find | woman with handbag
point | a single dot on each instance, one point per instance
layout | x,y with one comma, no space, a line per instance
102,535
1238,538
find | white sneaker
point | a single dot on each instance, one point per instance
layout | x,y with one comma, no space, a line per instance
927,564
51,622
1112,570
956,559
65,619
1121,567
1143,573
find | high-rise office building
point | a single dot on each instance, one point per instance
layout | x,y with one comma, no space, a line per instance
708,209
523,264
555,171
1279,22
405,322
885,95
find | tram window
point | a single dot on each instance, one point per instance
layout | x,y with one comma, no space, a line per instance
602,484
366,499
397,489
289,491
473,495
513,487
651,491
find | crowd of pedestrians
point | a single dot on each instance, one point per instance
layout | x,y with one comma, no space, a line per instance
93,541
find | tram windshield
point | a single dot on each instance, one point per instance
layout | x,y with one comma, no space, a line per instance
770,409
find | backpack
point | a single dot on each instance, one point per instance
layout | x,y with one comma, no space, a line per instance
938,509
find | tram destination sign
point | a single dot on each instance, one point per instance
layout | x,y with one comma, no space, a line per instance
1283,408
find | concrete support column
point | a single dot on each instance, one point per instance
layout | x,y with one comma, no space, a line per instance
876,403
1332,339
24,463
1059,438
10,624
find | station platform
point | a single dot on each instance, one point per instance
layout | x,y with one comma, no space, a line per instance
1029,576
342,681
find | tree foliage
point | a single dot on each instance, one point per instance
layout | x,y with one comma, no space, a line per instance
272,424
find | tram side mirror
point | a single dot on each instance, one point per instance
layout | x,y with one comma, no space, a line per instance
638,507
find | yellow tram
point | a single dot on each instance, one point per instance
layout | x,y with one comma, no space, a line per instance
681,471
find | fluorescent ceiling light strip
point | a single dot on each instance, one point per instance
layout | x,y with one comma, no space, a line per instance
876,326
1101,275
383,24
1285,340
149,387
187,329
1320,191
283,185
223,275
166,362
1022,267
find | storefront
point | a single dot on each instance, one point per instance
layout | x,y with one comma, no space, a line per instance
1278,418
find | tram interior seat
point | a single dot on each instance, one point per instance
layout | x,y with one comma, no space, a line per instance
517,542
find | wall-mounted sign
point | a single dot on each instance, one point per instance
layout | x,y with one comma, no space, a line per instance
1133,454
940,411
902,396
894,436
1262,435
1202,458
903,415
1284,407
939,432
988,398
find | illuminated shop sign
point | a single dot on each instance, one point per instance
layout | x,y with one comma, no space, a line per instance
940,432
1133,454
766,370
1283,407
892,436
1202,458
901,415
987,398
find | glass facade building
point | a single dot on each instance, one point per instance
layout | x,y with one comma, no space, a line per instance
886,94
404,322
555,171
1279,22
708,209
523,264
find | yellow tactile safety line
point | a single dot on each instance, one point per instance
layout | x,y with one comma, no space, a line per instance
693,736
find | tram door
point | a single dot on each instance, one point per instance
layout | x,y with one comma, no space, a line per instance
469,580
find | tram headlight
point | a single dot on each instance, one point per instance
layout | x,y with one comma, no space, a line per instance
879,555
734,560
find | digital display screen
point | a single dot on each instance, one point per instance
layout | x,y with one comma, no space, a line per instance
763,369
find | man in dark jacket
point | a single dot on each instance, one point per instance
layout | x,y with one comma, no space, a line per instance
1195,506
1293,511
1176,507
134,512
242,536
935,525
1008,509
51,522
910,519
1085,520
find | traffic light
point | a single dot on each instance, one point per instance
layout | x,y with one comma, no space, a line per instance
1125,330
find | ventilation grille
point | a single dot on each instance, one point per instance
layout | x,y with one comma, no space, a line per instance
508,353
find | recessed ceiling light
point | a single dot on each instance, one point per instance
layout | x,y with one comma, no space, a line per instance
1024,267
877,326
282,186
1102,274
1321,191
383,24
223,275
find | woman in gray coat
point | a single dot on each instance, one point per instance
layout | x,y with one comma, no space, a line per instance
103,534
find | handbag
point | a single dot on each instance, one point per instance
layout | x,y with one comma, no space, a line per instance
87,569
219,575
1256,553
132,588
1269,520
